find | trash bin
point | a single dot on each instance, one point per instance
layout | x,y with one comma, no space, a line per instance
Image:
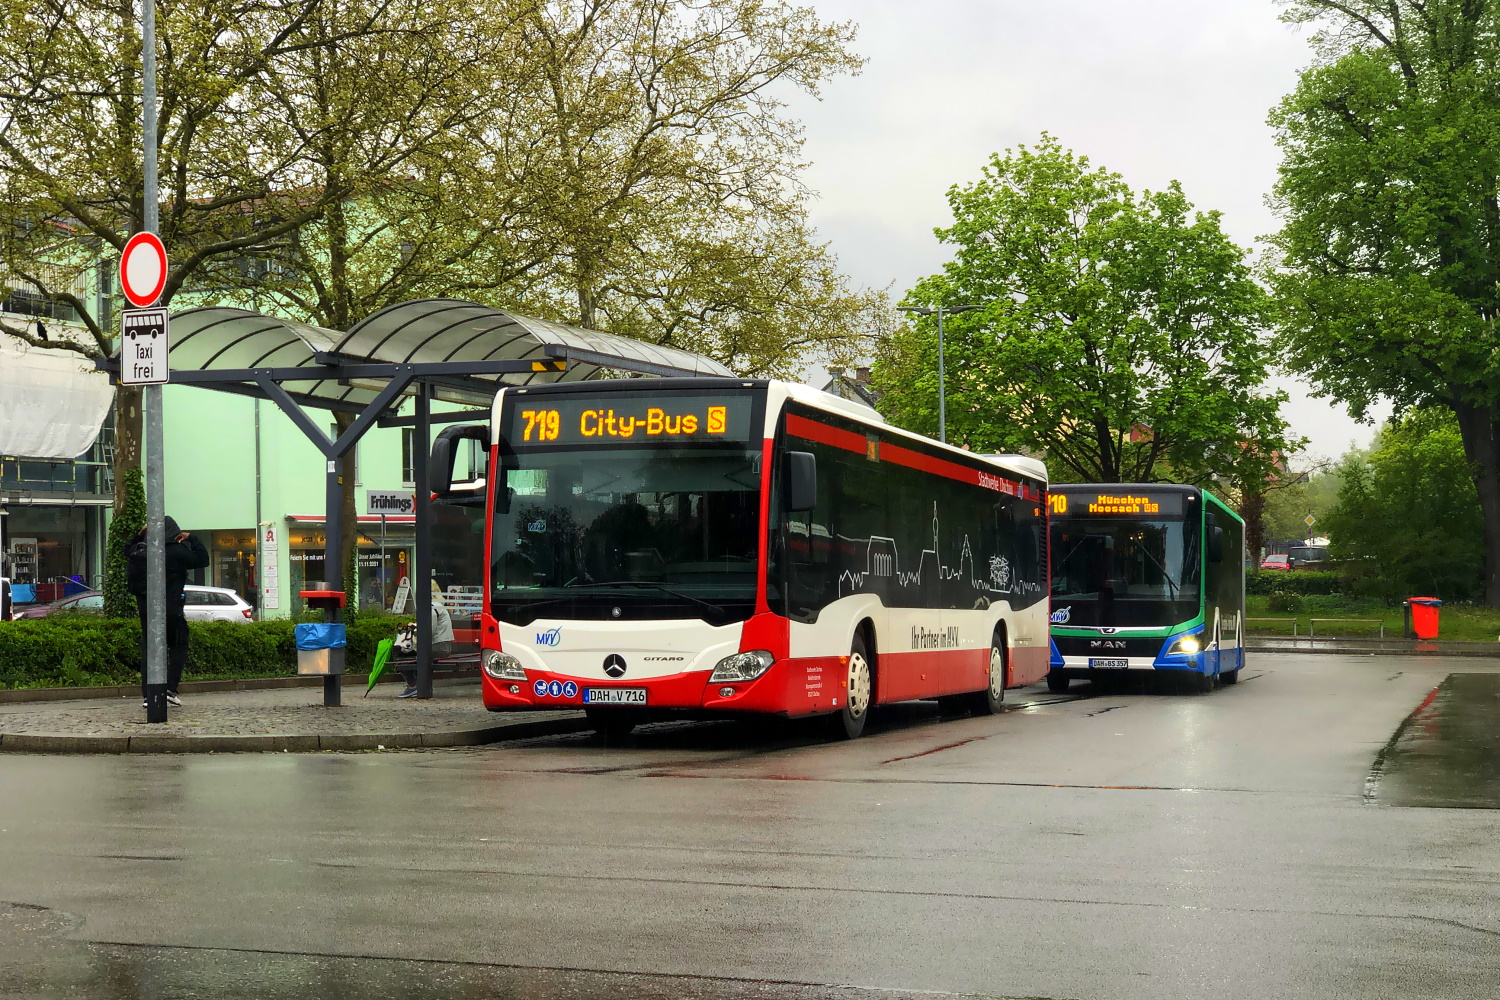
1422,613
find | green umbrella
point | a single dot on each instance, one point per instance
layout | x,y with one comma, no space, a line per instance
382,656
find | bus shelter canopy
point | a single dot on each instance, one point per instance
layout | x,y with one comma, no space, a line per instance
425,332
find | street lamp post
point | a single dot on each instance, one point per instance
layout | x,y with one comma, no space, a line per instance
942,388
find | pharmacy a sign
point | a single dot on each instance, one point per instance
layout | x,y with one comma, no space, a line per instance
144,343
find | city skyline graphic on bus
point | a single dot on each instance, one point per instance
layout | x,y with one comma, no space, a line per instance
883,561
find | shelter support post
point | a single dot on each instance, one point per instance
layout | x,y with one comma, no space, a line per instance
422,585
333,567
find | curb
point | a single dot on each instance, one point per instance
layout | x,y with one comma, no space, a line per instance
1375,648
11,696
302,743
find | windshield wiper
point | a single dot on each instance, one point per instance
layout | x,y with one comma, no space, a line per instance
711,608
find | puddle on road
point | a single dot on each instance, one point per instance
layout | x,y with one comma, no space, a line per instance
1447,752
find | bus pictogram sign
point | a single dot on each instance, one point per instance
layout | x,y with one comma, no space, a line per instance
143,348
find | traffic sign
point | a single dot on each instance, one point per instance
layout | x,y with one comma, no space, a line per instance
390,502
143,347
143,269
1309,520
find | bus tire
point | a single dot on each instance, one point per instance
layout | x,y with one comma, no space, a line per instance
1232,677
859,690
613,724
1207,682
991,701
1057,683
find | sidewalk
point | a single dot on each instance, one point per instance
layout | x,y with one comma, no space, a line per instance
1352,645
284,719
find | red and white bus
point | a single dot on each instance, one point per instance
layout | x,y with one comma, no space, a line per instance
717,546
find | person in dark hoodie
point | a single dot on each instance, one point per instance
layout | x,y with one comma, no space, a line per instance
185,552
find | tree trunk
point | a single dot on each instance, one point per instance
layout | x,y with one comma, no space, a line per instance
349,533
1481,438
1253,511
127,438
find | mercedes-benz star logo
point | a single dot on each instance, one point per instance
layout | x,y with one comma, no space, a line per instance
614,665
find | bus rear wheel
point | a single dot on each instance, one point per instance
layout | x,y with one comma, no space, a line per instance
859,688
992,699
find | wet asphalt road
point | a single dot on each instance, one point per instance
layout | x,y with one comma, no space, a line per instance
1126,844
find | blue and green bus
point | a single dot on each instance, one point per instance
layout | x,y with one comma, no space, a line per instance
1145,577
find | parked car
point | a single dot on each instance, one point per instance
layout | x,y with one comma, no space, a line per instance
1281,562
90,602
215,604
204,604
1308,556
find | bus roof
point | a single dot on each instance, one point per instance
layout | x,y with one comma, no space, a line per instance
1017,464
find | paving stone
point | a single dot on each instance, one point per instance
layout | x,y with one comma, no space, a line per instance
290,718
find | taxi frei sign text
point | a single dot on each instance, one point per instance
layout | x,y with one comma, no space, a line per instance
145,331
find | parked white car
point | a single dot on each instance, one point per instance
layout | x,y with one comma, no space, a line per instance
215,604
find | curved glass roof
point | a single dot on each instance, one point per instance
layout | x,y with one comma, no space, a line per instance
422,331
454,330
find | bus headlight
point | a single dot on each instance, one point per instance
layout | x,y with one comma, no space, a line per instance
742,666
503,666
1187,644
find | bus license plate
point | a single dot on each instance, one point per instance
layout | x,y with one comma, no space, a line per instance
614,696
1098,663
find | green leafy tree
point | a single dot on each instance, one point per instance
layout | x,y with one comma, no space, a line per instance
1119,334
1407,519
667,177
1390,273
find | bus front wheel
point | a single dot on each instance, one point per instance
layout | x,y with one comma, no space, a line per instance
859,687
992,699
1057,683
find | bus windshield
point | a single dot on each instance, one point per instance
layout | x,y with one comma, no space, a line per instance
1124,572
664,531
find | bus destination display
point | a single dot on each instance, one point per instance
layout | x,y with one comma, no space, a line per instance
604,420
1116,503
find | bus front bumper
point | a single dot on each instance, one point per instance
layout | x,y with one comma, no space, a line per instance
781,690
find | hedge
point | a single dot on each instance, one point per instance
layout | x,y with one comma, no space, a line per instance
77,650
1306,582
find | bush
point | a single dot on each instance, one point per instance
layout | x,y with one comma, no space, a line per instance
78,650
1301,581
1285,602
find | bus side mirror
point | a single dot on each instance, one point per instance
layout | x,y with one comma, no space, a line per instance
1216,544
800,481
445,451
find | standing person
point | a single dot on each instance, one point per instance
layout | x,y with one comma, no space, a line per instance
442,644
184,552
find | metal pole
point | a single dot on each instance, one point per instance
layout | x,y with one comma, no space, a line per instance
260,569
422,585
942,388
151,409
333,565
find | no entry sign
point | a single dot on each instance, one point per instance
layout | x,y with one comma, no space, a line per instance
143,269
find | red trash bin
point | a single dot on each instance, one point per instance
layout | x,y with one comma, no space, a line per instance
1424,616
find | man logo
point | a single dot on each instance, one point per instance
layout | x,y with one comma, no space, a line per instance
614,665
1106,644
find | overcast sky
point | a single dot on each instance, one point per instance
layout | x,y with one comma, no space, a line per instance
1156,90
